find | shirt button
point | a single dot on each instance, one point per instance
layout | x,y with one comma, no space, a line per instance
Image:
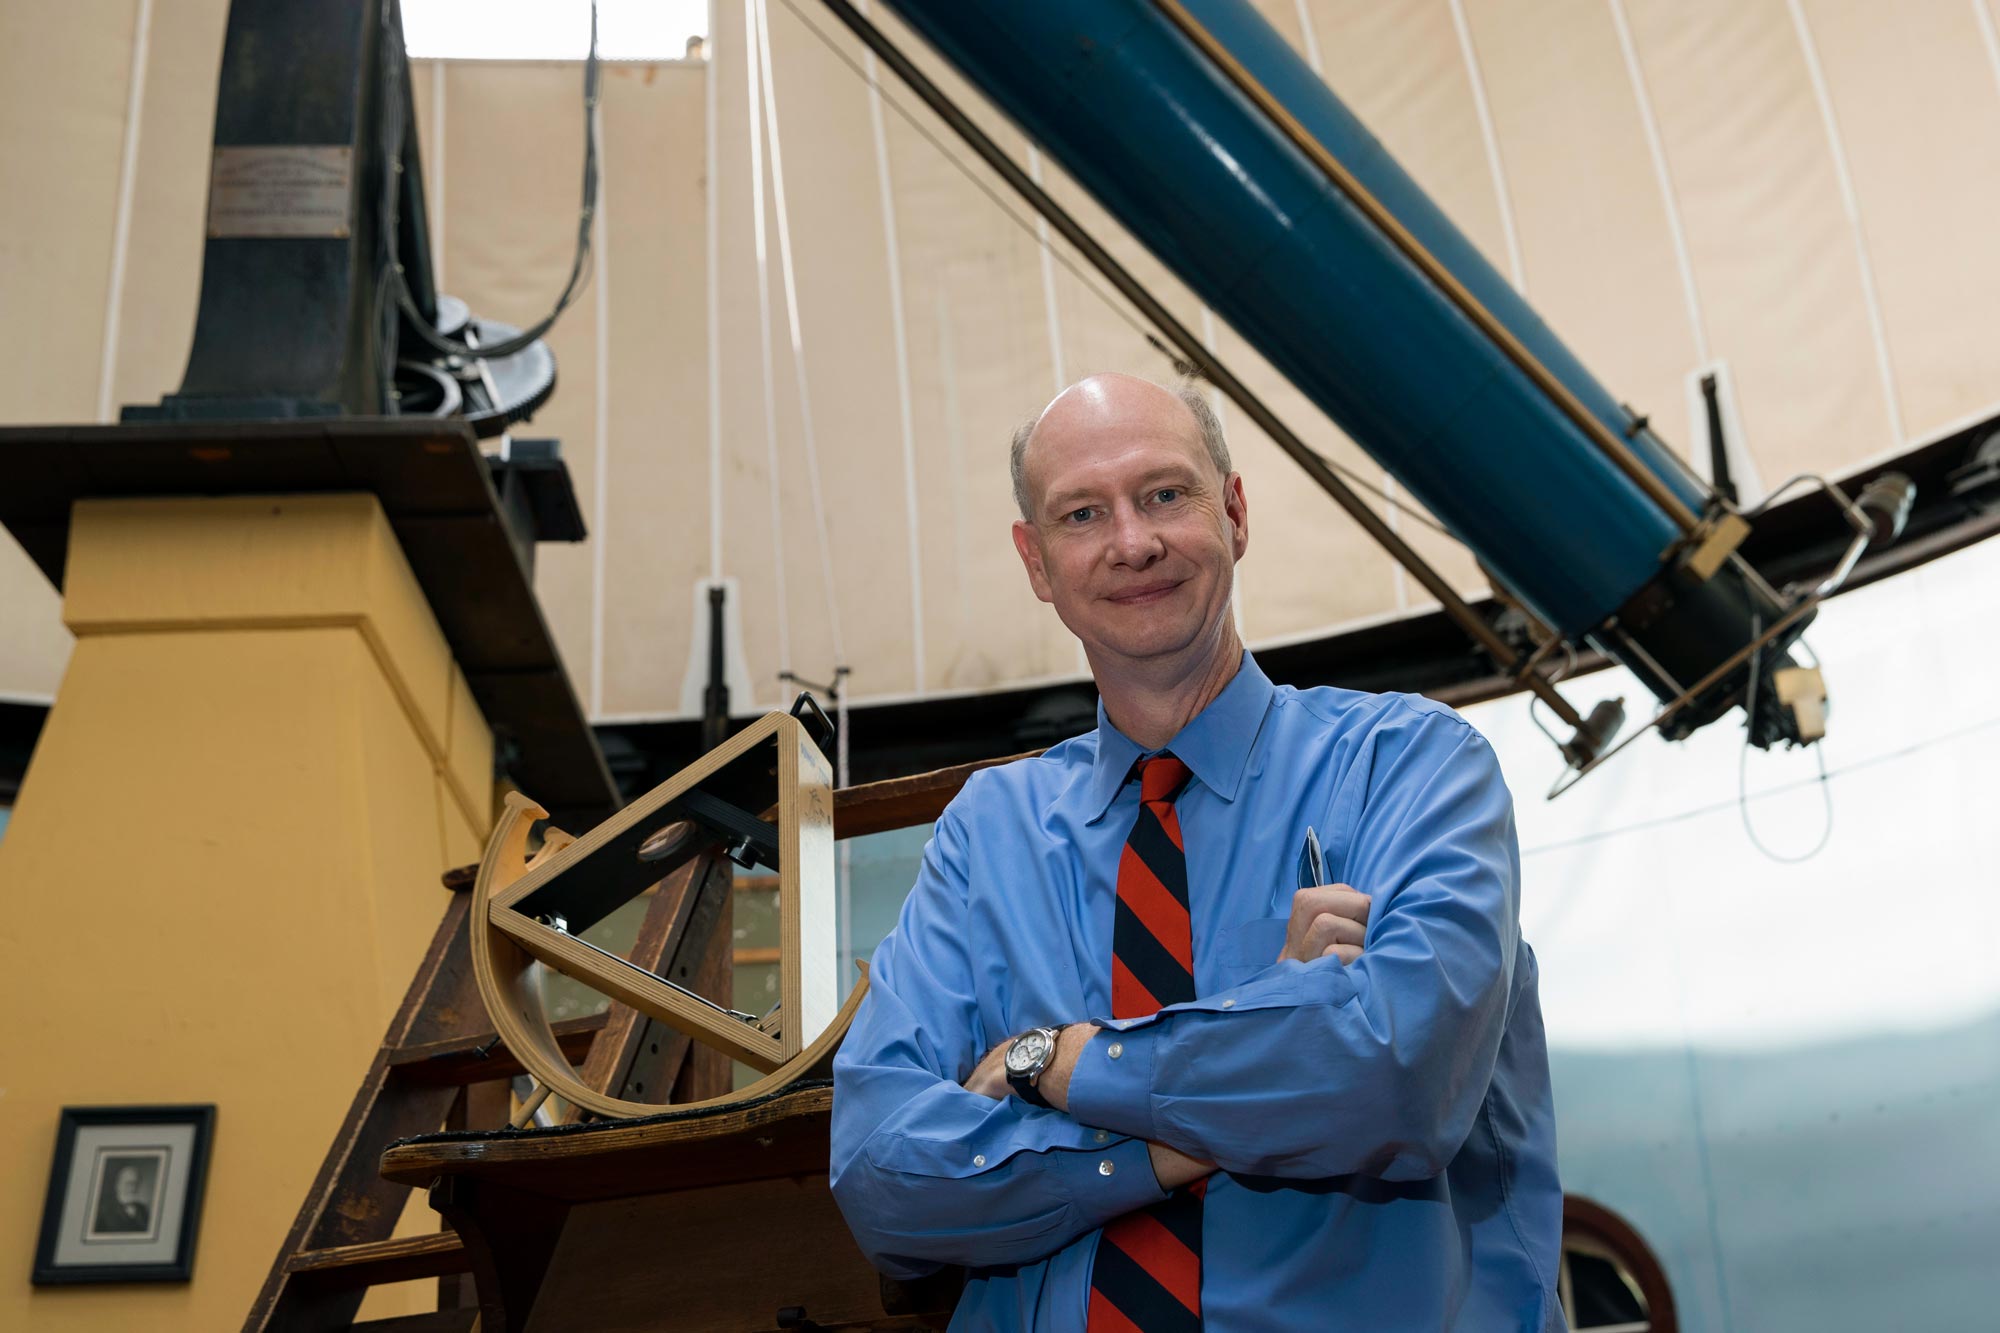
1229,1004
1102,1136
1105,1168
1114,1050
979,1160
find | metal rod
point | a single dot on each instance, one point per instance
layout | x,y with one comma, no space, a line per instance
1534,659
1469,305
1864,530
1848,560
1190,346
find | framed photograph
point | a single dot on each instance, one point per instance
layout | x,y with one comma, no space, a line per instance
124,1200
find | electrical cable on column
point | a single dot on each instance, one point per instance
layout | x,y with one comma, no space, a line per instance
1663,176
900,333
772,476
843,881
1850,204
789,275
600,463
714,205
121,231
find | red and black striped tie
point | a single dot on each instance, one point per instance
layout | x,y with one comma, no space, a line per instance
1147,1277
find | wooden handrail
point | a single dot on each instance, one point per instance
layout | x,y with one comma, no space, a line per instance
877,807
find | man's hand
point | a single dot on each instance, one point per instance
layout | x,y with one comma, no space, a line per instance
1331,919
1174,1168
989,1077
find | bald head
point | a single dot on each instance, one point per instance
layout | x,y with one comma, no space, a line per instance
1109,404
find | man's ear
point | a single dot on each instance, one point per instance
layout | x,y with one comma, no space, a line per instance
1029,543
1237,508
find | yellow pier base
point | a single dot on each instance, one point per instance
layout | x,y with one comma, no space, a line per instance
223,864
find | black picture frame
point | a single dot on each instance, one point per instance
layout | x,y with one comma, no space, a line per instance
138,1189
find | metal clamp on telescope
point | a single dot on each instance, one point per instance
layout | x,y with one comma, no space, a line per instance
1782,699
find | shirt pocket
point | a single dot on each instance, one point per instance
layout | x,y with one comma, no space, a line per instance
1245,951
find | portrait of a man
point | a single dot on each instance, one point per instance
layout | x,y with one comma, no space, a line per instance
127,1196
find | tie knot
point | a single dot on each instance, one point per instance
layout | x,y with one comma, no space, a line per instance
1161,777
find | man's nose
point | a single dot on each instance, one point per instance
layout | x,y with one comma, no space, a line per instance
1134,541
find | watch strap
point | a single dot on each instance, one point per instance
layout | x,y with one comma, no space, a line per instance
1027,1091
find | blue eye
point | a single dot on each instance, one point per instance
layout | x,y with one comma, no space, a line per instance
1167,494
1077,515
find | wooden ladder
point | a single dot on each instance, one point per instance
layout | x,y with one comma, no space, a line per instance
441,1066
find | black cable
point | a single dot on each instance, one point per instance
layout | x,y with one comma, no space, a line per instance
1743,767
579,272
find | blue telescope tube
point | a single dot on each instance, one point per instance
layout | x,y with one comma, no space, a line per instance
1156,132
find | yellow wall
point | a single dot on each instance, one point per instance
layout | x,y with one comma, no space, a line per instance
224,862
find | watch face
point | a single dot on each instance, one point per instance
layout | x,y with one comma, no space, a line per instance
1029,1052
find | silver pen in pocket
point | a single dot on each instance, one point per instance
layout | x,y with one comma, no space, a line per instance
1312,865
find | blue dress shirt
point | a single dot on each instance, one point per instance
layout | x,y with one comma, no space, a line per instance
1383,1132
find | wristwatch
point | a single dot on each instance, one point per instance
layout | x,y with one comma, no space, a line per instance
1027,1056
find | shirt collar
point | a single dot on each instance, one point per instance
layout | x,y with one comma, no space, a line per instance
1215,745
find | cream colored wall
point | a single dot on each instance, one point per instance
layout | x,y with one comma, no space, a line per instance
1532,122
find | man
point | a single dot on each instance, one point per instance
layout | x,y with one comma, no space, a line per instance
1233,1103
125,1207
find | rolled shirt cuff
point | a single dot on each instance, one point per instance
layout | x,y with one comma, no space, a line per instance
1112,1085
1111,1182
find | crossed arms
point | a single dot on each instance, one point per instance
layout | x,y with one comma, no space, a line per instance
1375,1063
1327,921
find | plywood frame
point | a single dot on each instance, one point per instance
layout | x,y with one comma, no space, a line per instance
510,945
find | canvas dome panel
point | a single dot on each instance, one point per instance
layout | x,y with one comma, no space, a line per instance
1793,195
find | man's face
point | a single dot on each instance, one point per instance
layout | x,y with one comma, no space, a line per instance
128,1185
1133,535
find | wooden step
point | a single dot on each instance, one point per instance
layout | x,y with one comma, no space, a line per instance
398,1259
477,1059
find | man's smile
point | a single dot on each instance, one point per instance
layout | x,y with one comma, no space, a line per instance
1145,593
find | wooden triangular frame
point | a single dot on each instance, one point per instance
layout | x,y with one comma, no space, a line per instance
510,945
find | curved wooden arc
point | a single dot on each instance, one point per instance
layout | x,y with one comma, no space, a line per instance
509,977
509,950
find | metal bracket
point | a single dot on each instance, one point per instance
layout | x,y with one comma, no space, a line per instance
1711,544
747,839
1803,690
807,710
